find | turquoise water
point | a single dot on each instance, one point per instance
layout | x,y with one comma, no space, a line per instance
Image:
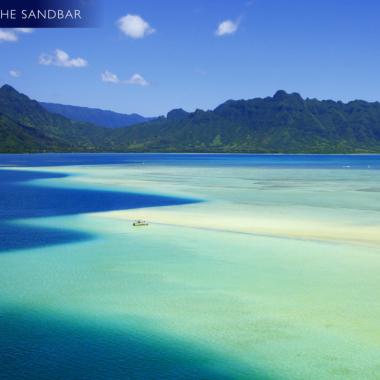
273,276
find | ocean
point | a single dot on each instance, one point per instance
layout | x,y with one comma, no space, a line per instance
252,266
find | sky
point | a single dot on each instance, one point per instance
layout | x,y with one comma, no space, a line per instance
150,56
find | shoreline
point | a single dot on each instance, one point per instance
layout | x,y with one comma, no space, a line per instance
189,153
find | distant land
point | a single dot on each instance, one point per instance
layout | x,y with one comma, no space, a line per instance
108,119
284,123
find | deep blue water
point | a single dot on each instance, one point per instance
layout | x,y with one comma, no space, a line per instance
258,160
19,200
38,346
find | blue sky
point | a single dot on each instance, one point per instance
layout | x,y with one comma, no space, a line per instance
319,48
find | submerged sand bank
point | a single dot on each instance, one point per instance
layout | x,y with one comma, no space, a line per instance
326,205
213,216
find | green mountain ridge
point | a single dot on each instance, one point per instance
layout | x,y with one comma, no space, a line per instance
102,118
284,123
28,127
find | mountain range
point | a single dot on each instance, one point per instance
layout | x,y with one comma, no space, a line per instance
108,119
284,123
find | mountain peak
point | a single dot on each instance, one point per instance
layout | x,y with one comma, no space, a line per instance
280,94
7,88
177,114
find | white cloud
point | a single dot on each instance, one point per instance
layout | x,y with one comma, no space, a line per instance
138,80
24,30
134,26
135,79
14,73
227,27
8,35
62,59
11,35
107,76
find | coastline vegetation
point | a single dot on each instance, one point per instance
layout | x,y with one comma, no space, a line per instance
284,123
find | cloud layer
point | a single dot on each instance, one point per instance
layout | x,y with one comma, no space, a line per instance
134,26
62,59
227,27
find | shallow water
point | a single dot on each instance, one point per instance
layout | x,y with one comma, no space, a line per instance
175,301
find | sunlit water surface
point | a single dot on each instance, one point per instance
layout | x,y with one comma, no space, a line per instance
253,267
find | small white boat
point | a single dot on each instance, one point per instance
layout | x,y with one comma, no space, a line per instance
138,223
